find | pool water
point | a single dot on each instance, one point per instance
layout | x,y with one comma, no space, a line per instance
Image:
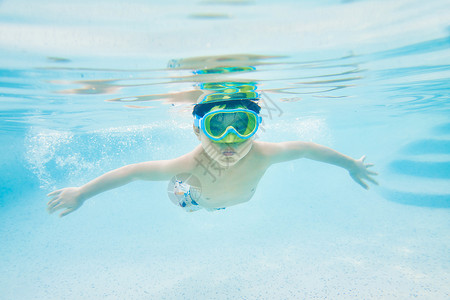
87,87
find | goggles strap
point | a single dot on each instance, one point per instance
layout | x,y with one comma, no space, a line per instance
197,120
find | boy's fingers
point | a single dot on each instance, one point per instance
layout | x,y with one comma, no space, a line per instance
66,212
360,182
54,203
56,207
372,180
54,193
52,200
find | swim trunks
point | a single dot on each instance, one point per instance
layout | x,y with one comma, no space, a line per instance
185,196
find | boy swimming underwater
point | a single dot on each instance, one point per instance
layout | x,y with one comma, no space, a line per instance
226,130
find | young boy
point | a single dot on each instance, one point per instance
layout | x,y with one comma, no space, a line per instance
226,131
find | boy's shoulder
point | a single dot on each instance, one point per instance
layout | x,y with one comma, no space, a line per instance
276,152
186,162
266,148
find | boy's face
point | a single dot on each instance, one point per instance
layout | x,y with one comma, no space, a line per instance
228,148
225,154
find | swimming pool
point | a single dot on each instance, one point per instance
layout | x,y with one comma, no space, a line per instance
88,87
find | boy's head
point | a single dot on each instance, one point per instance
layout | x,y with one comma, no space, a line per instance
225,128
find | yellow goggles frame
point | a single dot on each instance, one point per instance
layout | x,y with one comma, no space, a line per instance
253,118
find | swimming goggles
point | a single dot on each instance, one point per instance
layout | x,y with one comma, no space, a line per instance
217,125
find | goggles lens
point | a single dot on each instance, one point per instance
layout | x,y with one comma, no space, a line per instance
218,124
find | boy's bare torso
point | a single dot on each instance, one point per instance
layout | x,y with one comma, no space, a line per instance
223,186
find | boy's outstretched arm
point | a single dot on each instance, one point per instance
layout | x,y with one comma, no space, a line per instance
72,198
358,169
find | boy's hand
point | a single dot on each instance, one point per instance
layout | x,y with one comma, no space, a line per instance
68,198
359,172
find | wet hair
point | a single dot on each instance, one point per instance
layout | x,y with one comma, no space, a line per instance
202,108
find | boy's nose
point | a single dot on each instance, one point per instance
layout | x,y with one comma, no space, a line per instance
231,138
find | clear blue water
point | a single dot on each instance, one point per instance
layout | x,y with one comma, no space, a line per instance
88,87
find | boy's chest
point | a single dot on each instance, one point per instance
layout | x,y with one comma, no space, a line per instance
223,186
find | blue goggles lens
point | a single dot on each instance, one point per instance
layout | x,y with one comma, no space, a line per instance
219,124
